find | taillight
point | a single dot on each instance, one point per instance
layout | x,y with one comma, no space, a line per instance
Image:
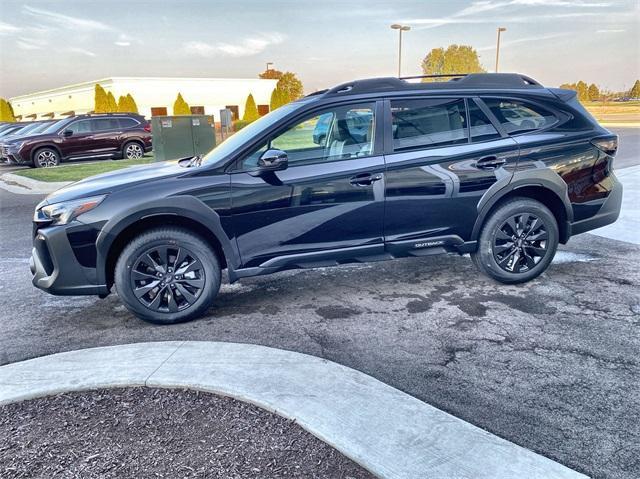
147,127
608,145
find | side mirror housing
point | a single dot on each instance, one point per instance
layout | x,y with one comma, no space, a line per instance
67,133
273,160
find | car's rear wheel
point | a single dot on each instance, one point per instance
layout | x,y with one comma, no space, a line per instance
167,276
46,158
518,241
132,151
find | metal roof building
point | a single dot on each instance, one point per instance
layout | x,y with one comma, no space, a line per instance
153,95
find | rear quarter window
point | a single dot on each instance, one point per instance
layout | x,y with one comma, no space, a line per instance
127,122
517,116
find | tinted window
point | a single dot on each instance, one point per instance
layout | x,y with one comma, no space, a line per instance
343,132
425,123
80,127
517,116
480,126
127,122
103,124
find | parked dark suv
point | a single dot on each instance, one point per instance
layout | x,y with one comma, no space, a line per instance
113,135
495,165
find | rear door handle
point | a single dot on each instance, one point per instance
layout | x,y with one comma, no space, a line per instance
364,179
490,162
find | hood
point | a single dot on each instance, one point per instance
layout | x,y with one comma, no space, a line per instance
17,137
108,182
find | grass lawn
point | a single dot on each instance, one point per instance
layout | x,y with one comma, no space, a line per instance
79,171
614,111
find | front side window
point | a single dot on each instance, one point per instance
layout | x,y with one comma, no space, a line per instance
424,123
338,133
80,127
517,116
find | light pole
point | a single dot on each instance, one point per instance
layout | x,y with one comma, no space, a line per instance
400,28
269,65
500,30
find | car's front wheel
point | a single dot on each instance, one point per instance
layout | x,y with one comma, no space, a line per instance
517,242
167,276
46,158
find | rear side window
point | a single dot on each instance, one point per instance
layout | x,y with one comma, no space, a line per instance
517,116
103,124
480,126
424,123
127,122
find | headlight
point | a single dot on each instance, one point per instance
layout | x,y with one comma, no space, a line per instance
14,145
63,213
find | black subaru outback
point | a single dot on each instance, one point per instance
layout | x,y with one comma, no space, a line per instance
495,165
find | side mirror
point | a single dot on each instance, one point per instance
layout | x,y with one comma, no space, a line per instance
273,160
67,133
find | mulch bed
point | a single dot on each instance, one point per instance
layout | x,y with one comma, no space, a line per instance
144,432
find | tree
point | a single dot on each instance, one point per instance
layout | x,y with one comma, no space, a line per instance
455,59
583,91
271,74
290,87
635,90
133,107
112,104
250,110
276,99
593,92
6,111
123,107
181,107
101,102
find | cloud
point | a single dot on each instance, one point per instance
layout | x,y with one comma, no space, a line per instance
468,15
537,38
81,51
25,44
612,30
67,21
247,47
122,44
7,28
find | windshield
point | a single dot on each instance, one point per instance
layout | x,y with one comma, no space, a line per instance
53,128
41,127
228,146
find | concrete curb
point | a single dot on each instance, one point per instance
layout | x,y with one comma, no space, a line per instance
388,432
23,185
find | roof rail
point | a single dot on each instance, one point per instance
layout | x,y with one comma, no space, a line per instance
462,81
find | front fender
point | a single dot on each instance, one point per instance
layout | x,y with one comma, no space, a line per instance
182,206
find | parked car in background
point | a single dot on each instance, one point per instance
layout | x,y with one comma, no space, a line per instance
83,137
10,128
446,167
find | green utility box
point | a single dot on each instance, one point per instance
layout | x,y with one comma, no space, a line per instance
182,136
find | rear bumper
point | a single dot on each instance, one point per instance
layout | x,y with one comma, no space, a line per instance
607,214
55,269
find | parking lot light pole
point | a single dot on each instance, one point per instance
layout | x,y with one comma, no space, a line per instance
400,28
500,30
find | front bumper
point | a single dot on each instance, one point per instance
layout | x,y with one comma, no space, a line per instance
56,269
607,214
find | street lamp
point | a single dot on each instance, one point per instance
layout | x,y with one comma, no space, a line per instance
269,65
400,28
500,30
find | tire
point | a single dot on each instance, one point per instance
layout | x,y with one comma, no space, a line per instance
46,158
164,296
518,260
132,150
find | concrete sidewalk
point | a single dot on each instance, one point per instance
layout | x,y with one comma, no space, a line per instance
385,430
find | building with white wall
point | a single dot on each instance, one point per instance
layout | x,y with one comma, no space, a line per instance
154,96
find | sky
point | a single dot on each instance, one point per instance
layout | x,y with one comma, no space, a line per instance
46,44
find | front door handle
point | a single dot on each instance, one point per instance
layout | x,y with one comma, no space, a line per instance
490,162
364,179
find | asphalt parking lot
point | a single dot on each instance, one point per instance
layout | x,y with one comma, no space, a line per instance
551,365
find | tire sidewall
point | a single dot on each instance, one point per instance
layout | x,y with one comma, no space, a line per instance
40,150
157,238
485,258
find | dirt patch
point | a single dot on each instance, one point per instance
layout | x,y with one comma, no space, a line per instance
143,432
